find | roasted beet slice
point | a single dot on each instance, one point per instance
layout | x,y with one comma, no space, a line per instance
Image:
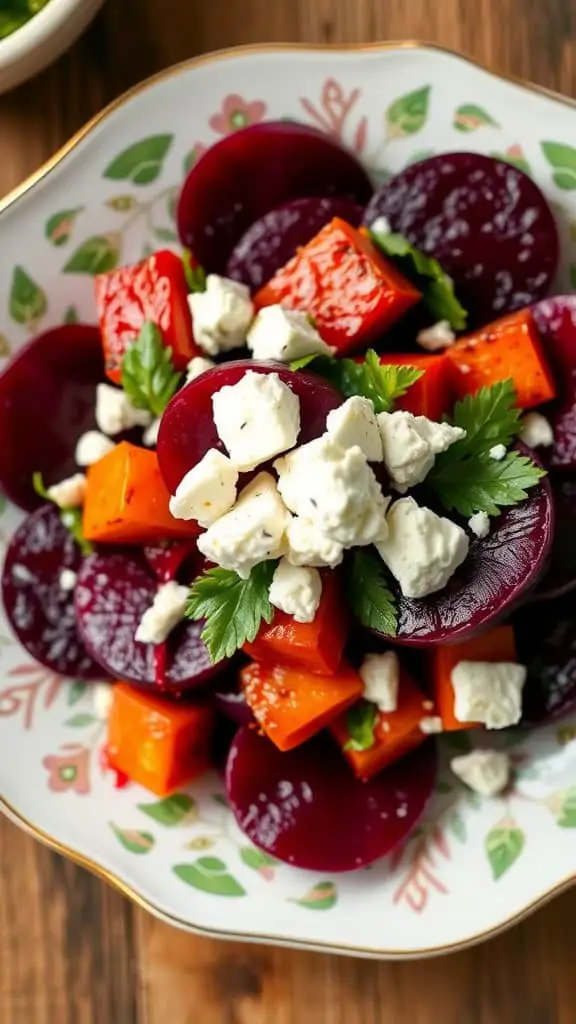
254,170
166,560
39,609
230,700
560,577
47,400
498,571
113,592
485,221
273,239
306,808
556,322
546,639
187,430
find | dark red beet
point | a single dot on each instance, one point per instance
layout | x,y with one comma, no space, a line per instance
254,170
47,400
113,592
560,577
231,701
498,571
306,808
556,321
187,430
485,221
40,612
165,560
546,639
273,239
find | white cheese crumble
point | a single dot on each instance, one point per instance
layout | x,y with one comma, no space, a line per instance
437,337
115,412
498,452
486,772
380,674
307,545
91,447
67,579
221,315
430,725
252,532
207,491
150,437
411,444
69,493
354,424
296,590
257,418
479,524
102,697
164,614
197,366
488,692
422,550
381,226
536,431
334,489
285,334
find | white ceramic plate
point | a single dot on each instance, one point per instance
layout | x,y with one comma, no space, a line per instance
475,865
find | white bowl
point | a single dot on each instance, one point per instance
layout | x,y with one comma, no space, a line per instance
43,39
475,865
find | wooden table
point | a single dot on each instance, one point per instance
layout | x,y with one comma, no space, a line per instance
72,951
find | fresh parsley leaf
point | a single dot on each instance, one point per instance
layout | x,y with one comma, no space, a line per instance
481,484
426,273
361,721
489,417
464,477
195,275
71,518
381,383
369,594
148,375
233,608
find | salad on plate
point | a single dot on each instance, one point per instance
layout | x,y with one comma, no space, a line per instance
305,495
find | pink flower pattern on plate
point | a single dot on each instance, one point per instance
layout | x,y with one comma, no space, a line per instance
236,113
332,113
70,770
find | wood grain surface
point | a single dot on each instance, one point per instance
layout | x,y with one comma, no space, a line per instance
72,951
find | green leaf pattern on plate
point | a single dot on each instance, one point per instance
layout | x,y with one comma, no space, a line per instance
563,159
71,315
171,811
80,720
322,896
133,840
407,115
504,844
60,225
122,204
95,256
28,302
567,816
142,162
209,874
469,117
76,691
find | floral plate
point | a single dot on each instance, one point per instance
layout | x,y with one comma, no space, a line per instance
474,866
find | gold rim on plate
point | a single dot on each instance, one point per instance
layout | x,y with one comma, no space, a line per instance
10,811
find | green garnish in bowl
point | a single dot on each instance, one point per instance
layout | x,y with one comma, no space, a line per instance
16,13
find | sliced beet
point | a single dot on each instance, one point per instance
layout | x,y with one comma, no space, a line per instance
254,170
166,560
273,239
113,592
187,430
487,223
230,700
546,640
497,573
556,322
306,808
560,576
39,610
47,400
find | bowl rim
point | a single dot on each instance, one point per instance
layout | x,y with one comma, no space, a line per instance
19,192
40,26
